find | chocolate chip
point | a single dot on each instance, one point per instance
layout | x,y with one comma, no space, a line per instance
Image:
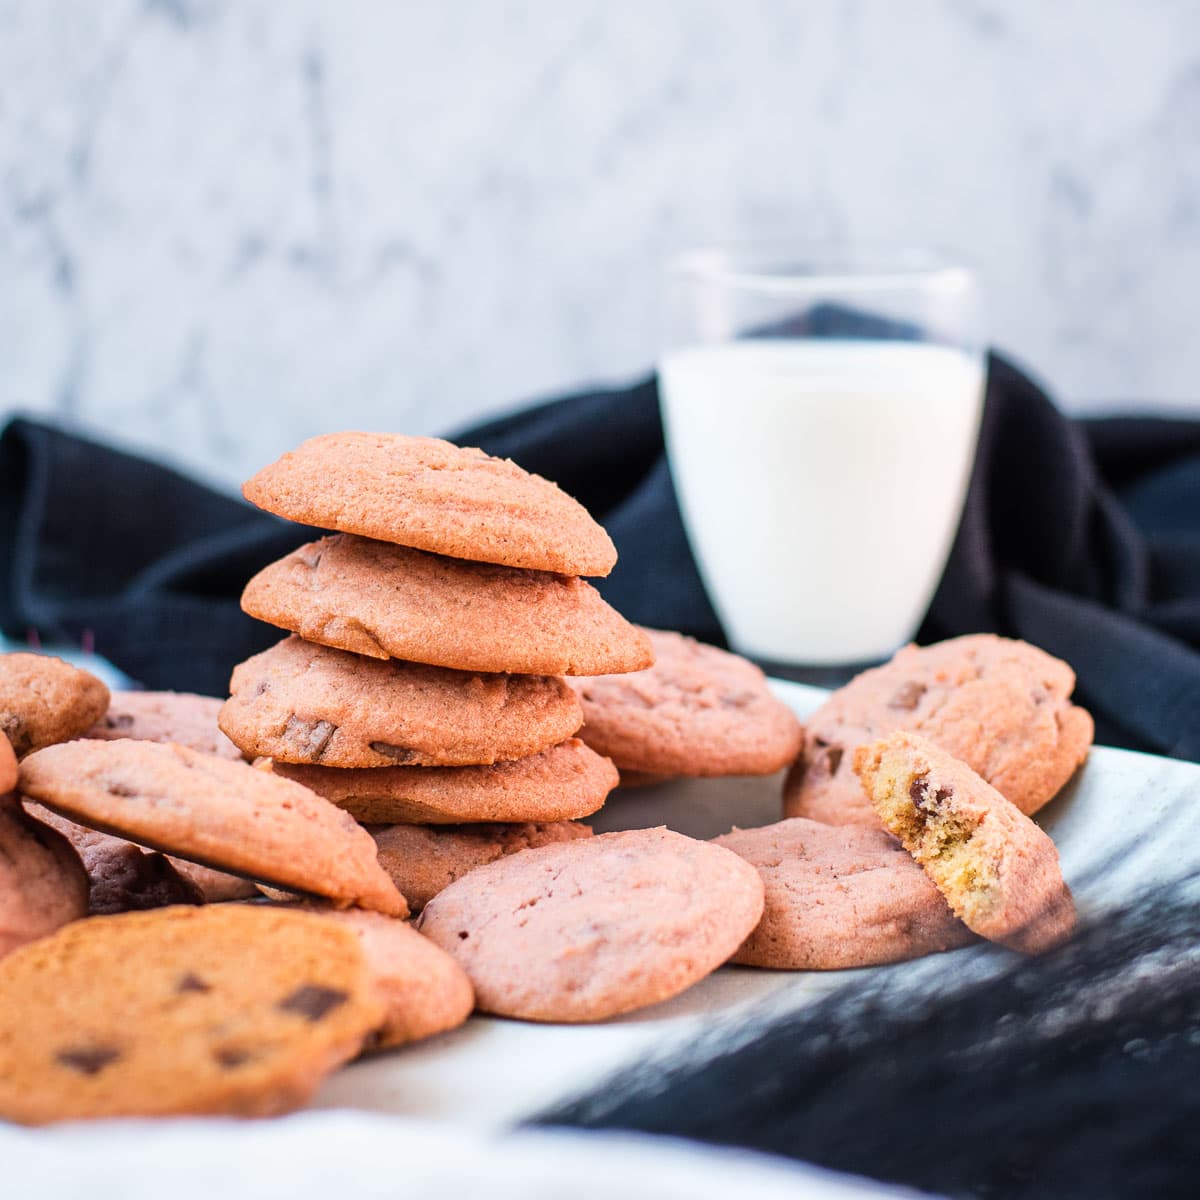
310,737
88,1060
120,721
13,727
401,755
908,696
124,790
918,790
463,935
192,983
231,1056
834,758
312,1001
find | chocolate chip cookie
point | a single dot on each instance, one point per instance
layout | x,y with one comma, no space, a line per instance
231,1009
560,784
586,929
389,601
1001,706
179,717
220,813
122,876
698,711
998,870
433,495
838,897
44,700
302,703
423,859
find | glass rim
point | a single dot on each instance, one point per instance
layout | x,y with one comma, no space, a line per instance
782,266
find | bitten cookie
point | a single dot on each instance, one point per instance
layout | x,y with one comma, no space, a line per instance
588,929
389,601
1000,706
560,784
997,869
301,703
840,896
235,1010
698,711
122,877
423,860
424,991
432,495
44,700
42,882
179,717
223,814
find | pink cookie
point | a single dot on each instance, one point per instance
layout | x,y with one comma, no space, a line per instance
840,896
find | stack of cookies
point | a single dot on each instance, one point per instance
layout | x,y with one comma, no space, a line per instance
421,686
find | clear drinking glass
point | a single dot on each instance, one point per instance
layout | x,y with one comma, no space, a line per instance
821,411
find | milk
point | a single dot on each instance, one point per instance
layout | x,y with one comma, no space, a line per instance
821,483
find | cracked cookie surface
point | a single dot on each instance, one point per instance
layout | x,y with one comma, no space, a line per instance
433,495
838,897
388,601
234,1010
698,711
588,929
1001,706
302,703
222,814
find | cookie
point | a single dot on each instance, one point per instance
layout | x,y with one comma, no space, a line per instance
122,877
560,784
44,700
179,717
1000,706
423,990
588,929
215,887
697,711
838,897
231,1009
302,703
433,495
42,882
998,870
389,601
422,860
8,766
223,814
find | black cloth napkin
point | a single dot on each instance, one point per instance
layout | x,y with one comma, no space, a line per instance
1082,537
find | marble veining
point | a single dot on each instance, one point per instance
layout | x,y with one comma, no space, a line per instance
226,226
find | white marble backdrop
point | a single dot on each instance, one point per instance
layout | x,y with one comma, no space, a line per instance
227,225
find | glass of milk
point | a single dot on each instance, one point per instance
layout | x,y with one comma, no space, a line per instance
821,411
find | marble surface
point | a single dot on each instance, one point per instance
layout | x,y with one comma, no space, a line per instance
225,226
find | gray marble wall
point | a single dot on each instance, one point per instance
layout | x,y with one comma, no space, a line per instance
227,225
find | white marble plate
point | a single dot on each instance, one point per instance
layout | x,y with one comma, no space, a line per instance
1125,823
